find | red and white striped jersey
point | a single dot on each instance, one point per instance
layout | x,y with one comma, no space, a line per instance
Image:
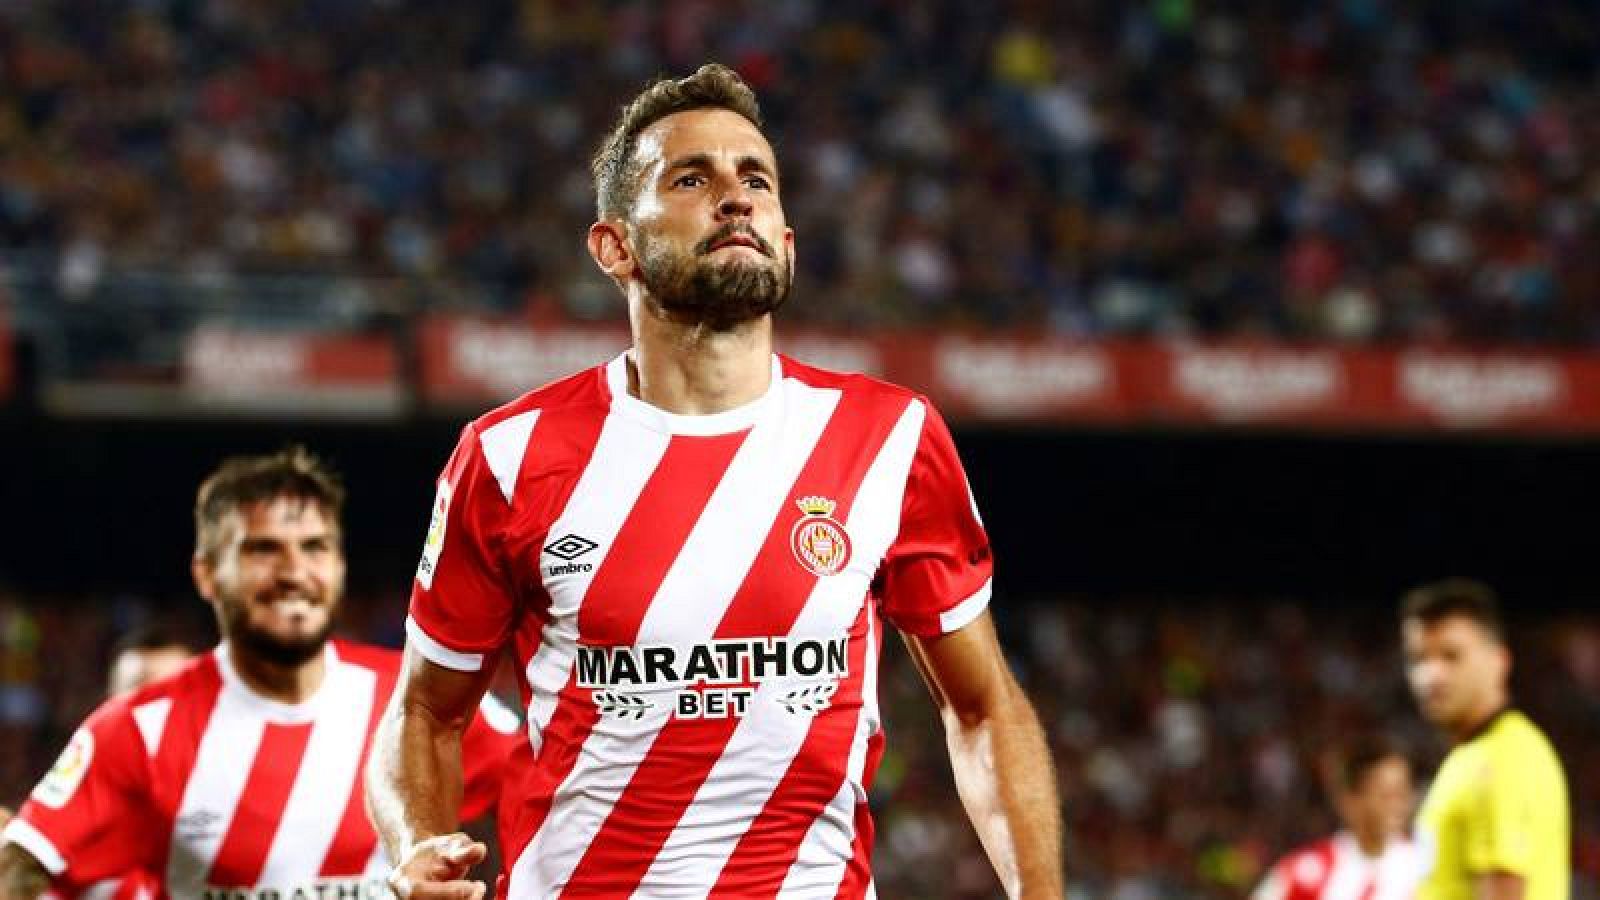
1335,868
218,792
695,602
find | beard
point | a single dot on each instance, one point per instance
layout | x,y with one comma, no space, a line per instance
691,288
263,644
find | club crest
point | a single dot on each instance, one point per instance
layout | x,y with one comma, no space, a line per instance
820,543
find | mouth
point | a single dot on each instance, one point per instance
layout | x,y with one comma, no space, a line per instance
739,239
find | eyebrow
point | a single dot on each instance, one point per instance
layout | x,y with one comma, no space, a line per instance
746,163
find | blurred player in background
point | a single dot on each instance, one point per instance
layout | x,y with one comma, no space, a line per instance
690,549
1495,820
148,653
239,772
1371,858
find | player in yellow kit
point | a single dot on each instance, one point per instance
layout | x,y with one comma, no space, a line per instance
1496,818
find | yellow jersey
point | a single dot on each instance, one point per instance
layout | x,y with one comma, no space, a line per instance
1498,804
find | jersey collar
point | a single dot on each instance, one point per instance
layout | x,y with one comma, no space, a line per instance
726,422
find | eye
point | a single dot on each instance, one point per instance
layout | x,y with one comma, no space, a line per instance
758,182
691,179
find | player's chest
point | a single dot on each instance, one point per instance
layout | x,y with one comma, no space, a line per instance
768,544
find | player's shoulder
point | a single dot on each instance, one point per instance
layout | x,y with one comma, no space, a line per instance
856,383
196,679
1516,740
583,390
1309,864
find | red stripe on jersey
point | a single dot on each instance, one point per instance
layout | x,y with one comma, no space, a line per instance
355,840
769,600
180,742
858,873
1309,871
767,849
245,846
662,517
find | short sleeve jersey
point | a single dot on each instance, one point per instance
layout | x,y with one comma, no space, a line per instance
209,789
1336,868
696,604
1498,804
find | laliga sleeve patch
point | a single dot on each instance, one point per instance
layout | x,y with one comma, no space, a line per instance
435,539
61,782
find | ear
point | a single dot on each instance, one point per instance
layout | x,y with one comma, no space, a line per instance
205,577
608,245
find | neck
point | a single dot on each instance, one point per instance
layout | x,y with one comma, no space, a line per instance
1471,726
691,369
276,681
1370,842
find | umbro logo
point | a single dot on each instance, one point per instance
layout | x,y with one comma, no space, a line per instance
569,547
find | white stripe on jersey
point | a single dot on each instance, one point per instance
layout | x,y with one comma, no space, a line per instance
152,720
504,444
962,614
221,767
762,747
882,493
619,467
687,606
330,765
29,838
439,654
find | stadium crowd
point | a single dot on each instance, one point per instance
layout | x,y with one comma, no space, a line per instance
1349,170
1189,733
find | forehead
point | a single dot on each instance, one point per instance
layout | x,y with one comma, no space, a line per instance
1449,628
713,132
300,514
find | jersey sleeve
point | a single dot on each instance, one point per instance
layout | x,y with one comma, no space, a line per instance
1500,834
462,602
90,817
936,575
484,748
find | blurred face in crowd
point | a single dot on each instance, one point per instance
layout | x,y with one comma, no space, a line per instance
1457,668
138,667
275,576
1378,806
708,230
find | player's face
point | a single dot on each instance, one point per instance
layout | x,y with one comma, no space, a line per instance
276,579
1456,667
1380,805
708,227
137,668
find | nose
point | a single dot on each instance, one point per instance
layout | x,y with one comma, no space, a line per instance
294,567
735,202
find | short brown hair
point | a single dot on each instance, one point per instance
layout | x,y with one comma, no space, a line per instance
243,480
1350,763
1463,597
616,172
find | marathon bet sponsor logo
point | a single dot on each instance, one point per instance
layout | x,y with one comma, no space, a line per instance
569,548
713,680
320,889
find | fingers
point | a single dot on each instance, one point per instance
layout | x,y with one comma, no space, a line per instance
438,890
436,869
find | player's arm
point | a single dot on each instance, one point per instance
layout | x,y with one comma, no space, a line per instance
414,780
21,876
998,753
1501,886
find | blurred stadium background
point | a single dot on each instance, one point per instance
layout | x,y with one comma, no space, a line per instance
1249,315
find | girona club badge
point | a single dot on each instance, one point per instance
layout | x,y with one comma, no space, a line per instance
819,541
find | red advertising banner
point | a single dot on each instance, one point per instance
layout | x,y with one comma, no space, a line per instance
348,375
1036,378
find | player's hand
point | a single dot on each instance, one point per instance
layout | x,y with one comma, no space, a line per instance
436,869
